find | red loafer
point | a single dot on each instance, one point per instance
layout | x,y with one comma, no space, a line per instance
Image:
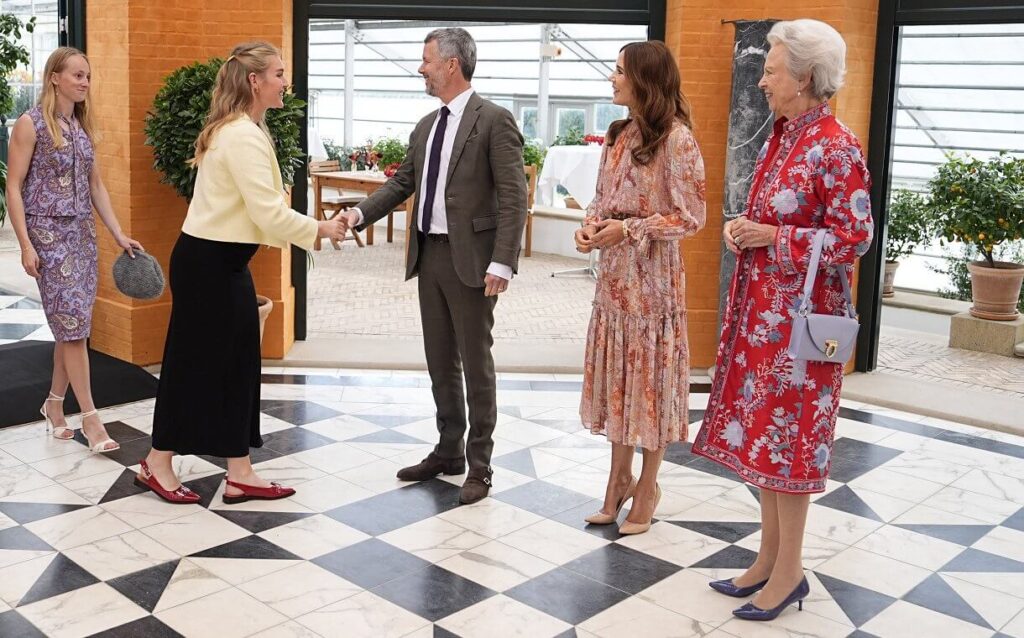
253,493
180,495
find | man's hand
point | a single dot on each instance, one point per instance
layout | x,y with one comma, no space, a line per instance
493,285
351,218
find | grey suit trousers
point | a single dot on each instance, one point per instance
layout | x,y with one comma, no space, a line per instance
457,323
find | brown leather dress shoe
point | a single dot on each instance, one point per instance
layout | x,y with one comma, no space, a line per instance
477,485
430,467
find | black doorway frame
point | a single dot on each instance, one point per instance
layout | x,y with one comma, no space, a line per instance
71,24
892,15
644,12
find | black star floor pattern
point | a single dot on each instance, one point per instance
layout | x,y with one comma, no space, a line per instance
921,530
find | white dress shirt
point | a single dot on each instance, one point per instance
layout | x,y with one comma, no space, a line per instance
439,215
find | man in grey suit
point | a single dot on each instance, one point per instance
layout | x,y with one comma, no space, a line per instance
465,165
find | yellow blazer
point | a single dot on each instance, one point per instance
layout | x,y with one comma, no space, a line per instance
239,194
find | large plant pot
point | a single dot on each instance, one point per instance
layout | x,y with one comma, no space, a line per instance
265,306
890,277
995,291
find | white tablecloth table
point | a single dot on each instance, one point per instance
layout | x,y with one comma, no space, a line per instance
575,168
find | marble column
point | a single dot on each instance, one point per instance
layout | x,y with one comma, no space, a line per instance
750,122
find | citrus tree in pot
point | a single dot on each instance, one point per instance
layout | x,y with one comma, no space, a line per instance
907,228
981,203
179,112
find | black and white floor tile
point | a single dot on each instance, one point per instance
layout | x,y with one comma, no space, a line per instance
920,534
21,318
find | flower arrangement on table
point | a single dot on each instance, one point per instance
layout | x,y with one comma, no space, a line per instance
390,152
363,158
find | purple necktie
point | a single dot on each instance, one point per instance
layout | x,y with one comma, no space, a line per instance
433,168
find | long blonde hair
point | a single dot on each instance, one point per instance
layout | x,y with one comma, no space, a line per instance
232,94
48,99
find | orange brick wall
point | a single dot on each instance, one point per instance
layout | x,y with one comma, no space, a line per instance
703,47
133,45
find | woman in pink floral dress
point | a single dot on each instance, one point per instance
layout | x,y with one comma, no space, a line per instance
771,418
650,195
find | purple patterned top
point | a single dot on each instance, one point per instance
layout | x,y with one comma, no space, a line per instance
57,183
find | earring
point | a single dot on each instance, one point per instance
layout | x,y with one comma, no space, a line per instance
799,93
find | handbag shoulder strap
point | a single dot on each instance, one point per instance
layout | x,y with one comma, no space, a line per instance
812,275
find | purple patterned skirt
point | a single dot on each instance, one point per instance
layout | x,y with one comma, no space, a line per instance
67,265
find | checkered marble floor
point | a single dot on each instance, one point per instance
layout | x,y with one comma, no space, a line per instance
921,532
21,318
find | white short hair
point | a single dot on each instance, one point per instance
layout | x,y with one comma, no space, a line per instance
815,48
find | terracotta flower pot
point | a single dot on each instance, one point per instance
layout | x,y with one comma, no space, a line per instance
995,290
265,306
890,277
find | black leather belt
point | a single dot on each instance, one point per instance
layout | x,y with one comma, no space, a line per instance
441,238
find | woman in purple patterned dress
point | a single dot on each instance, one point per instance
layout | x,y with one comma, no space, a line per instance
53,183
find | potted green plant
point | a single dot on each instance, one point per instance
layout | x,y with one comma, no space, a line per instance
573,137
533,154
178,115
908,227
981,204
13,54
390,153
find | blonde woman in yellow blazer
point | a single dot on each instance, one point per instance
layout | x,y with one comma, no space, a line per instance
208,401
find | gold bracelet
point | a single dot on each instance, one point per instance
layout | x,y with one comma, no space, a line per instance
625,230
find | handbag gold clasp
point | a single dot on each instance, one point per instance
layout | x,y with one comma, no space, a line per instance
831,347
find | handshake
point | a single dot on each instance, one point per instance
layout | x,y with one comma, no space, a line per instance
338,226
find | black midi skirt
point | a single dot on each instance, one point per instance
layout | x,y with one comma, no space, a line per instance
208,400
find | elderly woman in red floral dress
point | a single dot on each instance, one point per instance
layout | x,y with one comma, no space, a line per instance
771,418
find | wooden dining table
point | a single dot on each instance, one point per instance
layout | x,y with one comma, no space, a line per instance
359,181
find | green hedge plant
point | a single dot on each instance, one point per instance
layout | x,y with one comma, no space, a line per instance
908,225
13,54
179,113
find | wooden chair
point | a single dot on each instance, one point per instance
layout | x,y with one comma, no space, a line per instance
531,189
334,203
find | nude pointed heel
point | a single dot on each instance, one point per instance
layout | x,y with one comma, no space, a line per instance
628,528
600,518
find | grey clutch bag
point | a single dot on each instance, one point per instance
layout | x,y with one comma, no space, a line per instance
820,337
139,278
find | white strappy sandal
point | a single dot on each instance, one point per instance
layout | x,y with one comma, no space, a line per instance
100,447
64,433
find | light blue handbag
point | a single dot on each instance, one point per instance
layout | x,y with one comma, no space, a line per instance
820,337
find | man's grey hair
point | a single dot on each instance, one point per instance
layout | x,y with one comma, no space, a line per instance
453,42
813,48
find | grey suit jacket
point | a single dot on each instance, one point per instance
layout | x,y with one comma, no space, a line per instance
485,195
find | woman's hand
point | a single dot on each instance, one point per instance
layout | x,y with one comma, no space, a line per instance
333,229
584,238
730,241
609,233
128,244
747,234
30,261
